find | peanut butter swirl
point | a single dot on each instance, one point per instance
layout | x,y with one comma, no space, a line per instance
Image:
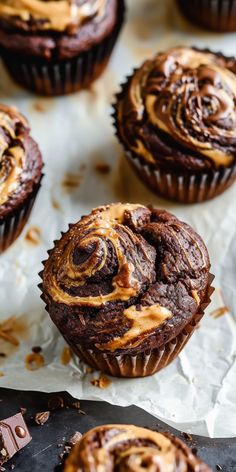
186,99
53,15
128,448
122,275
13,127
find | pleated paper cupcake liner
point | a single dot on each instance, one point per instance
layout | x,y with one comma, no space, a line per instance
180,187
192,188
216,15
12,225
65,76
145,363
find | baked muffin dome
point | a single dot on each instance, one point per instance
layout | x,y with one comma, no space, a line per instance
20,173
124,280
58,47
177,115
129,448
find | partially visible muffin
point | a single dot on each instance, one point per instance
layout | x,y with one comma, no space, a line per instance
216,15
58,47
126,286
176,118
20,174
119,447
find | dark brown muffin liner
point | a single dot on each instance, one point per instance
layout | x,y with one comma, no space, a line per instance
216,15
65,76
12,225
180,187
145,363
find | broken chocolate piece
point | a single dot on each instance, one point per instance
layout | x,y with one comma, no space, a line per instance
42,417
14,435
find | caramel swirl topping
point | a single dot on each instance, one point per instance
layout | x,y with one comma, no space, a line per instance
12,152
187,96
56,15
122,275
128,448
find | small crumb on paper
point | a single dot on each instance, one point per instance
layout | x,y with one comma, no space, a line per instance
219,312
7,331
71,181
34,361
102,382
66,355
102,168
33,235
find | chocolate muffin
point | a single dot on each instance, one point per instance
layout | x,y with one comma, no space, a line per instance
58,47
216,15
131,448
176,118
126,286
20,174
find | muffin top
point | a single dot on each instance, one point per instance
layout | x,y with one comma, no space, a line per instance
47,28
57,15
126,277
129,448
20,160
179,110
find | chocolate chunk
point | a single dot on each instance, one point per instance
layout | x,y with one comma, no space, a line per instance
14,435
74,439
54,403
42,417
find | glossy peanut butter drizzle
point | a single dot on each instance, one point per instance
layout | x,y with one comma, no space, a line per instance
144,321
56,15
128,448
189,96
12,153
98,228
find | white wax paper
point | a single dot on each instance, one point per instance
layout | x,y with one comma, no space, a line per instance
197,391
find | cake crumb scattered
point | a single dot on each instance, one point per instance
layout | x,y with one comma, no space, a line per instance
56,204
7,331
66,355
39,107
187,436
102,168
34,361
89,370
219,312
102,382
33,235
71,181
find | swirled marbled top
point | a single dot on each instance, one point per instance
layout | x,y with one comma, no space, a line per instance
124,277
127,448
53,14
180,108
20,159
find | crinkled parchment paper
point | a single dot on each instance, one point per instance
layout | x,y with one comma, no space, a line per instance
197,391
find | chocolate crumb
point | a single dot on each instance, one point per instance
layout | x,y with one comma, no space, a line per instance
36,349
76,405
42,417
66,355
218,467
194,451
2,354
102,168
89,370
74,439
187,436
13,466
82,412
54,403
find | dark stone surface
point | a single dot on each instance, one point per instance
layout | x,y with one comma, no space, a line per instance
43,451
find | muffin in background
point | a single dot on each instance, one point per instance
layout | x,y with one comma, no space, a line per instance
176,119
119,447
20,174
127,286
215,15
54,48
